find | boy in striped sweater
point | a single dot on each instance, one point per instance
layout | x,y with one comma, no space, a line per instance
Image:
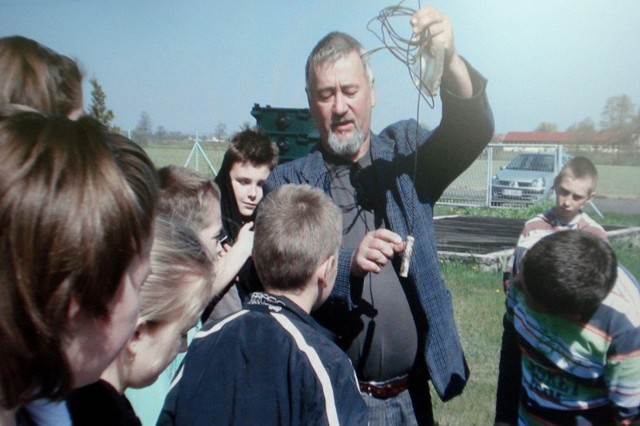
571,347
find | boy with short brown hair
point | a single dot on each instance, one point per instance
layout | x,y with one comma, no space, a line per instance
575,187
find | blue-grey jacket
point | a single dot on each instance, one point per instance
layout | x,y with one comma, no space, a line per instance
443,154
270,363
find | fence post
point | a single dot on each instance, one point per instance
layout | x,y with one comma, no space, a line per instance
197,162
489,150
196,150
559,155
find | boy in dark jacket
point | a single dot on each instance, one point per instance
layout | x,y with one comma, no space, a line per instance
271,363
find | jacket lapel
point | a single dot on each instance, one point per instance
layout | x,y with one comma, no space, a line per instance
388,189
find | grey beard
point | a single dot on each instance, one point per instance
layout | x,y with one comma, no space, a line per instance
346,147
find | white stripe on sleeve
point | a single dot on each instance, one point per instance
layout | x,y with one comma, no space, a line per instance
316,363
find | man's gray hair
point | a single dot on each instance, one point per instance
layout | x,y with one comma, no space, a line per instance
331,48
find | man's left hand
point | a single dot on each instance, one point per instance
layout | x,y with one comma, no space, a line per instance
431,26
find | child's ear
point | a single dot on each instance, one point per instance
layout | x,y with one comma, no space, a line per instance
327,270
139,335
77,318
333,263
73,311
590,197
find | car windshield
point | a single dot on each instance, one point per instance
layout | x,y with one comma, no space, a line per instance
538,163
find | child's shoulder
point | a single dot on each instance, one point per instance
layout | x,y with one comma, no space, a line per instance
538,226
624,298
589,221
540,218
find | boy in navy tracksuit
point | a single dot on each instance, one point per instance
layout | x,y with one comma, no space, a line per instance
271,363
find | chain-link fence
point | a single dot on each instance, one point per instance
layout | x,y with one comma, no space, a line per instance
476,187
503,175
507,175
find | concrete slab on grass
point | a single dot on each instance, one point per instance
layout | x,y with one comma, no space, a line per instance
488,241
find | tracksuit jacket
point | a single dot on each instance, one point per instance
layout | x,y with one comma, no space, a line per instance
269,364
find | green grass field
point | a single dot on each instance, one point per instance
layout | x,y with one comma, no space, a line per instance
618,181
615,181
166,155
478,305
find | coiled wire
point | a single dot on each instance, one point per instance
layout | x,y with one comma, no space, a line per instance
425,72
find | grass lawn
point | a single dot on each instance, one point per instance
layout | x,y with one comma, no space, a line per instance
618,181
614,181
165,155
478,302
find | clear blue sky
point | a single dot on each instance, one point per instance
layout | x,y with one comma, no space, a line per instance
193,64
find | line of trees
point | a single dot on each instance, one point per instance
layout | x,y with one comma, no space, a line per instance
143,132
619,118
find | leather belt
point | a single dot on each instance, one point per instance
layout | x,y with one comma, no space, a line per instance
385,390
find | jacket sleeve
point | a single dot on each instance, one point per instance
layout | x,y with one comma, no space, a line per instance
343,406
167,415
465,129
342,288
352,410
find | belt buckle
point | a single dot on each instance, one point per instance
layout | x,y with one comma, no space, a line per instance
385,390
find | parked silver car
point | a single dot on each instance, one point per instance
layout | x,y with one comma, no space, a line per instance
527,179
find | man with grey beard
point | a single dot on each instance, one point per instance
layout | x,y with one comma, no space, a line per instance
398,331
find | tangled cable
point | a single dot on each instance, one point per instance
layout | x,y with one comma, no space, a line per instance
424,60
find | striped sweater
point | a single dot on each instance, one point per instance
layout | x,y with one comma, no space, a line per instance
539,227
577,372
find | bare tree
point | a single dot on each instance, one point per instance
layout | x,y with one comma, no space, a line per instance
161,134
585,126
221,132
618,118
546,127
617,112
143,132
